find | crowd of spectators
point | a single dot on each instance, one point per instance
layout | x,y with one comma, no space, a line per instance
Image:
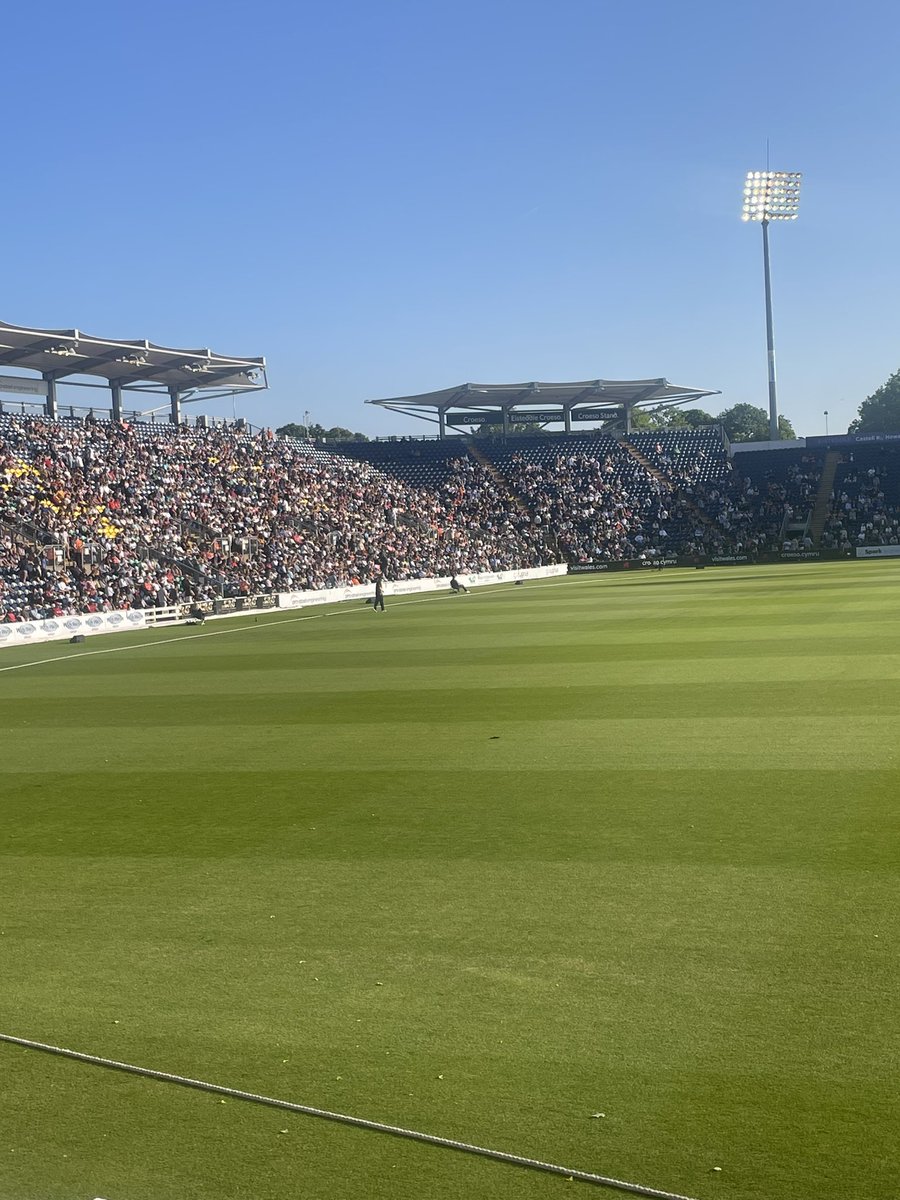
864,507
601,506
102,515
747,511
96,516
476,498
604,506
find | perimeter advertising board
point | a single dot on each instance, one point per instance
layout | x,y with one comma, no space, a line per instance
236,604
720,560
878,551
57,629
410,587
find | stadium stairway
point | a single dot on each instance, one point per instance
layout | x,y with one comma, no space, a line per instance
551,541
822,506
702,516
497,475
645,462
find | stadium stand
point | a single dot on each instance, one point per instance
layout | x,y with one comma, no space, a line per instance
103,515
865,499
685,456
470,489
600,503
98,515
763,502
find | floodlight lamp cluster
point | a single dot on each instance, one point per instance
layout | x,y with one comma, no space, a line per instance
771,195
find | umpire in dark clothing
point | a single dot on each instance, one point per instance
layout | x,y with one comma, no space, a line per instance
379,593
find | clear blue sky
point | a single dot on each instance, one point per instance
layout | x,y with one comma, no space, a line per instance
386,196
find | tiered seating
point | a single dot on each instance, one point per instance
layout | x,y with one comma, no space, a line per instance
600,503
865,500
781,486
151,514
685,455
97,515
470,491
797,470
419,463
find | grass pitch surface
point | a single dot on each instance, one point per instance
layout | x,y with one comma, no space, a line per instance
481,866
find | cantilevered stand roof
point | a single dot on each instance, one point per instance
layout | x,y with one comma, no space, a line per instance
588,399
60,353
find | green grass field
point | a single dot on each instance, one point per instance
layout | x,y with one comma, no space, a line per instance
481,866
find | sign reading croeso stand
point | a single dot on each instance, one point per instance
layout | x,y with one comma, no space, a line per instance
532,416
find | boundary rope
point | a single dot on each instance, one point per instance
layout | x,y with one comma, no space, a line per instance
516,1160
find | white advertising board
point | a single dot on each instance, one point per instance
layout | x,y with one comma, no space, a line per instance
878,551
58,629
411,587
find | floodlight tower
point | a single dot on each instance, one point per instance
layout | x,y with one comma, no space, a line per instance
771,196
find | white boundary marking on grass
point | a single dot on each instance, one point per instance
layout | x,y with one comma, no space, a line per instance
489,590
516,1160
189,637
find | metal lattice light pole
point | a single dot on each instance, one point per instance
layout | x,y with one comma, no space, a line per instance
771,196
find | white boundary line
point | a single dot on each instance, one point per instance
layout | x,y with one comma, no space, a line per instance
489,589
516,1160
342,611
190,637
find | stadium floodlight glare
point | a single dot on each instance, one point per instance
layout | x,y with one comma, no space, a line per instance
771,196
